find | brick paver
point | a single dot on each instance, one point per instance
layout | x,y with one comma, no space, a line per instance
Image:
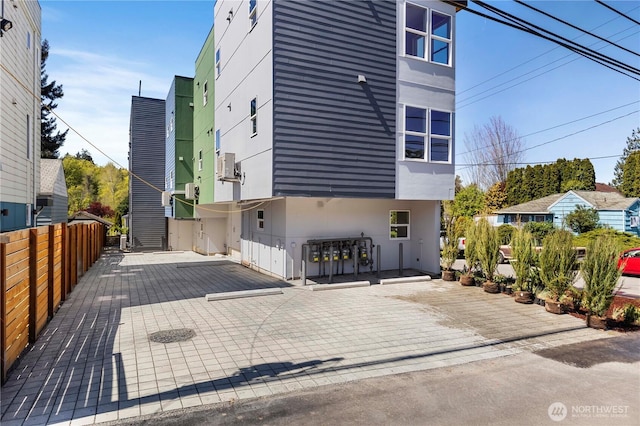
94,362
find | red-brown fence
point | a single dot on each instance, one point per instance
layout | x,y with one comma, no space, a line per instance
39,267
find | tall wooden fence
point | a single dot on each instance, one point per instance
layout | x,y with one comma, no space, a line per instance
39,267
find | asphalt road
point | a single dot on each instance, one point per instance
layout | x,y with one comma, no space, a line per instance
589,383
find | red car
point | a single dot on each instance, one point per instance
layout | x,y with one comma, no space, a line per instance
630,260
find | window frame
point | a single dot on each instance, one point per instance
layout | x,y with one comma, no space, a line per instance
428,36
432,37
253,14
397,225
427,136
218,62
260,219
217,141
205,92
199,160
424,35
253,116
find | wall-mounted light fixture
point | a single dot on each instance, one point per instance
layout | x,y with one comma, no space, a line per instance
229,106
230,15
362,79
5,24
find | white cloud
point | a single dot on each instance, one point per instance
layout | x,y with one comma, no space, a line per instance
97,100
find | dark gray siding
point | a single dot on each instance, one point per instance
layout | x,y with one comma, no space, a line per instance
332,136
147,224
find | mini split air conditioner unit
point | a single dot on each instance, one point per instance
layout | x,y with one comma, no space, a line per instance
191,191
166,199
226,170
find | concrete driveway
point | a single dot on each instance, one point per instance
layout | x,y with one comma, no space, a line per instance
97,359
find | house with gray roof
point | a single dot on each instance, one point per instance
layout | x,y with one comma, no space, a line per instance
615,210
52,200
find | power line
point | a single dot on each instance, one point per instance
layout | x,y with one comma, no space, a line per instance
617,11
532,163
555,127
575,27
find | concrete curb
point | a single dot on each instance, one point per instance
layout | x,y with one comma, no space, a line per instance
405,280
243,293
321,287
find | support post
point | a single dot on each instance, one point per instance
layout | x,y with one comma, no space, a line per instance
303,272
378,251
356,258
400,260
330,263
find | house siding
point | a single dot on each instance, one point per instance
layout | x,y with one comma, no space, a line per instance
331,135
57,213
633,211
566,205
147,225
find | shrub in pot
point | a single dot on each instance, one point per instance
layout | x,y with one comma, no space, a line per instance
450,248
557,267
488,253
470,255
525,260
600,272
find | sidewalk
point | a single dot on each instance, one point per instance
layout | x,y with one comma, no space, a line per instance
96,361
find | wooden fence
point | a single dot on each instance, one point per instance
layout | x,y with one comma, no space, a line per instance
39,267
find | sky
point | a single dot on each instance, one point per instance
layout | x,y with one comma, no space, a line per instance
101,50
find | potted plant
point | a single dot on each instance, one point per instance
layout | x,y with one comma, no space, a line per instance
557,268
600,272
470,255
523,263
449,248
488,252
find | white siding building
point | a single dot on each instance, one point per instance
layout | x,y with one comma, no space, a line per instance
19,114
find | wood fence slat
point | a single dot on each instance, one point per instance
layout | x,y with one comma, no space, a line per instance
3,317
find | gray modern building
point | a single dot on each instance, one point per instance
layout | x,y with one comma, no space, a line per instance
147,222
334,120
53,200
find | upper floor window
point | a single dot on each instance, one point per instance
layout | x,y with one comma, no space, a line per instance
205,93
440,38
253,117
415,31
218,141
199,160
253,12
399,223
28,39
432,143
260,219
217,62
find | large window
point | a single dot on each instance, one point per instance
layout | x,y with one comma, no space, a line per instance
218,141
253,13
399,222
427,34
205,93
253,117
422,143
415,30
440,38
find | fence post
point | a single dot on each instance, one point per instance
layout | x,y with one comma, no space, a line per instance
3,313
33,283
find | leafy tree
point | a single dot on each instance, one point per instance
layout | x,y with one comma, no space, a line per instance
496,197
526,258
96,208
469,201
83,154
50,139
539,230
505,233
82,181
600,272
630,184
487,248
582,219
114,185
633,145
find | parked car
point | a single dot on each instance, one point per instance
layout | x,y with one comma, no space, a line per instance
461,242
629,261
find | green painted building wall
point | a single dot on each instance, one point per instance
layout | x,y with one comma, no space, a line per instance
203,126
183,141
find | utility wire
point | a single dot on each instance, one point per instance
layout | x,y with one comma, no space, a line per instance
554,127
576,27
617,11
530,163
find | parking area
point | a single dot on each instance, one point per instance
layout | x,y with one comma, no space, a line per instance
101,358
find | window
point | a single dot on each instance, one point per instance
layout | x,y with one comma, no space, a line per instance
199,160
260,219
253,13
171,179
205,93
28,136
399,224
254,116
415,132
218,141
415,30
28,39
440,38
217,63
440,136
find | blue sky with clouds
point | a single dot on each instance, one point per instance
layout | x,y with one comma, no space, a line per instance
100,50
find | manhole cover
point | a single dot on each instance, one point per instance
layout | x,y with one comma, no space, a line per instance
172,336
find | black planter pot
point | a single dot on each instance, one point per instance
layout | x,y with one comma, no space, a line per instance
509,290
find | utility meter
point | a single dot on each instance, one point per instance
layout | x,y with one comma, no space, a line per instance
326,254
346,253
314,255
336,253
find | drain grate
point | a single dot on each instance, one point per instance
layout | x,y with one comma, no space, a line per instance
172,336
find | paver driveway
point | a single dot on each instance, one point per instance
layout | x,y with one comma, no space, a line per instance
95,361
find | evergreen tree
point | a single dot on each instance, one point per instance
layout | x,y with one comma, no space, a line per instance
630,182
496,197
50,140
633,145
